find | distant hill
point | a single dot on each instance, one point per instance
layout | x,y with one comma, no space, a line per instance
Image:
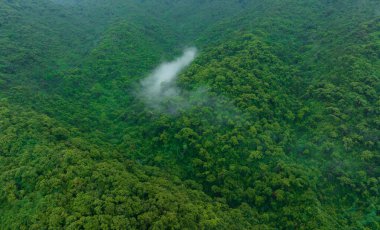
275,125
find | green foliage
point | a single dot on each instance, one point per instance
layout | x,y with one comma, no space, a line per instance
276,127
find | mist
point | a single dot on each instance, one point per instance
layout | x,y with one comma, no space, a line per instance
161,83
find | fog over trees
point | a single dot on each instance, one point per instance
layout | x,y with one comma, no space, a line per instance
188,114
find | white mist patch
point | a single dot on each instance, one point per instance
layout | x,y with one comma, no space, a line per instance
161,83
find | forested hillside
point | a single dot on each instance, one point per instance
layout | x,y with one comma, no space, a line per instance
274,125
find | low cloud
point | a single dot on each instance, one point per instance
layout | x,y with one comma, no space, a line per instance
161,83
161,94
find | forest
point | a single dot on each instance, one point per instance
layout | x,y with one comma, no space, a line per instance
190,114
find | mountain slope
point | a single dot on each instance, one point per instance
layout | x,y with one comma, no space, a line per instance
275,125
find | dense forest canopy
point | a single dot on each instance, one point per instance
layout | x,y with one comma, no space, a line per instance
109,119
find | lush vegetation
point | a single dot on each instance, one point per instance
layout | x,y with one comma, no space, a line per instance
277,124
